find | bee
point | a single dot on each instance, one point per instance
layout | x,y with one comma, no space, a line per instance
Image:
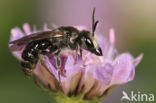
53,41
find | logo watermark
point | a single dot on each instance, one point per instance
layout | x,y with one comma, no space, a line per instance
137,97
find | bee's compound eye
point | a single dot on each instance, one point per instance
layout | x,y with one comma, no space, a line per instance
88,42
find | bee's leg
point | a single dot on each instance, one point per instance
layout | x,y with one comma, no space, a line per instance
27,68
81,52
76,55
58,63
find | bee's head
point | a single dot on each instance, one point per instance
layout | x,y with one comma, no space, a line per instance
87,39
88,42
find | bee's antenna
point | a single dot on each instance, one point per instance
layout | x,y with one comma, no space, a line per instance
94,24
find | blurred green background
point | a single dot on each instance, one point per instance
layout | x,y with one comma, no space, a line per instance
134,23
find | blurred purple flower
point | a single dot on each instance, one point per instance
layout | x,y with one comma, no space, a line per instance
91,76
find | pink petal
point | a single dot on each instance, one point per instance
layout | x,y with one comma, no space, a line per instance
131,76
88,80
123,69
16,33
137,60
34,29
112,36
17,54
103,43
104,73
73,74
46,77
90,58
70,66
96,80
45,27
26,28
50,66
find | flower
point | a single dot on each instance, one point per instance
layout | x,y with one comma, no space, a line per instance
88,80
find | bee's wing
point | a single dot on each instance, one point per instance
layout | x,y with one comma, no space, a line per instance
37,36
17,44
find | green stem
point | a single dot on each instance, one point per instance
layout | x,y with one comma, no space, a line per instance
62,98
